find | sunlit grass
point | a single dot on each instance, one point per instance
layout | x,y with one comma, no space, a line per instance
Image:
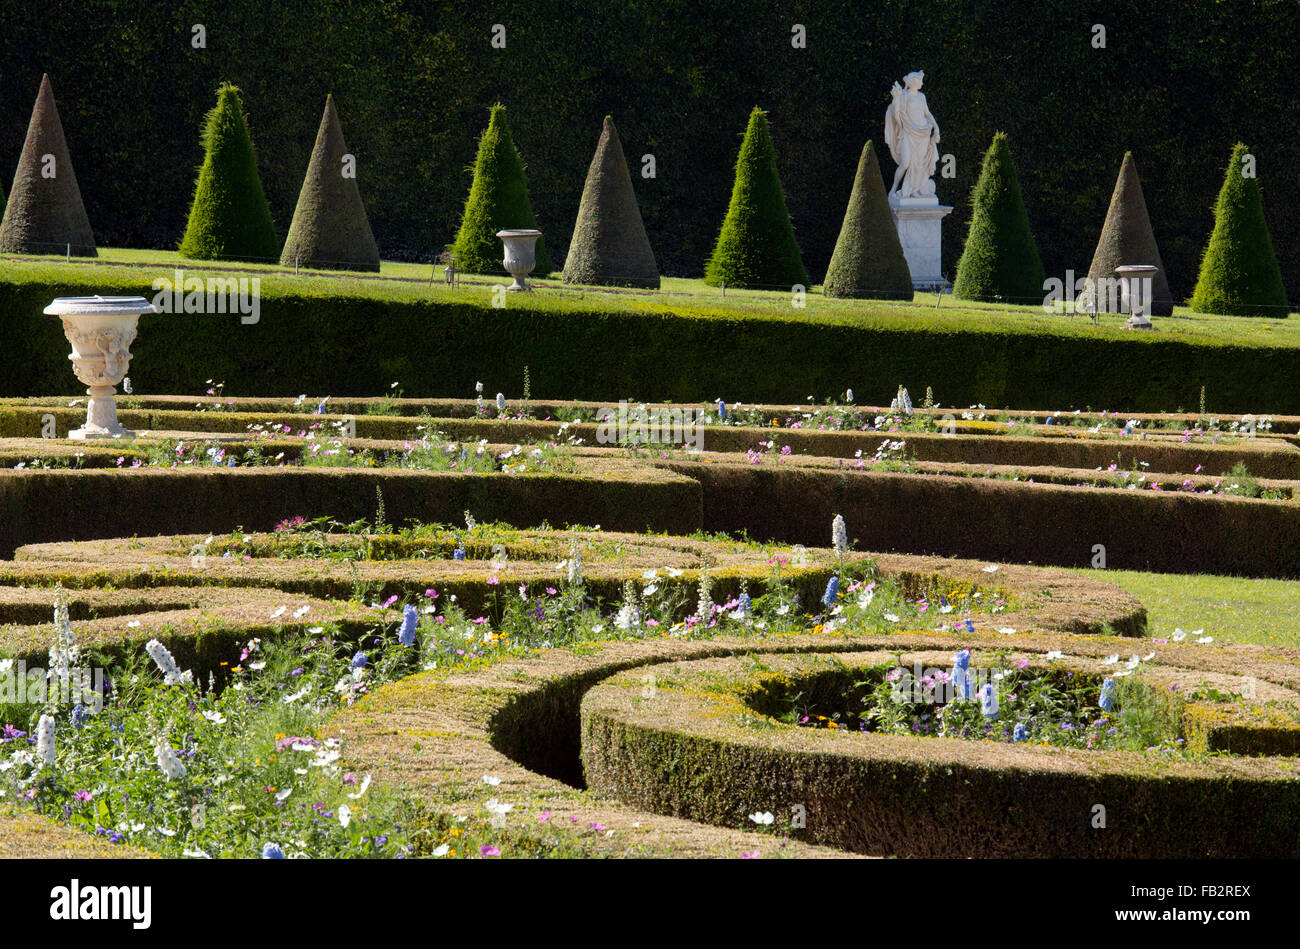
1231,609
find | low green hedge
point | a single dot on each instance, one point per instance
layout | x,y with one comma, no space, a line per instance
693,749
1004,521
439,345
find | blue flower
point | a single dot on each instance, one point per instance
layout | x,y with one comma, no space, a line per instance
722,410
1018,733
744,606
410,618
79,715
320,410
458,553
962,660
970,625
272,852
359,661
1107,700
832,590
989,701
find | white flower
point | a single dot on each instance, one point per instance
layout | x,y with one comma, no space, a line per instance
762,818
490,780
166,663
1054,654
839,535
168,761
892,617
1178,636
279,612
283,795
991,568
133,624
345,815
1007,631
216,718
496,807
365,783
301,612
1205,639
45,739
441,850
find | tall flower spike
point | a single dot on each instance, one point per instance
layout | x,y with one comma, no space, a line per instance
501,402
704,608
45,740
832,590
166,663
989,701
410,619
1107,699
1019,733
839,535
575,564
744,608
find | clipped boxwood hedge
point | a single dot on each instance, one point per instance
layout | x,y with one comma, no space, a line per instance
693,748
440,345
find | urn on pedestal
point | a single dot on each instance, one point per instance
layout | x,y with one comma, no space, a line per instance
521,255
101,331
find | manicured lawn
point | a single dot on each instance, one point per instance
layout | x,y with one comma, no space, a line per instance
1231,609
402,280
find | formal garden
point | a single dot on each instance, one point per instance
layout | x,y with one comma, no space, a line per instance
530,542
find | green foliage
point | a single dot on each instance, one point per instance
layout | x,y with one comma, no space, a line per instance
756,246
1127,239
45,214
498,199
330,228
868,261
1000,260
1239,272
229,217
609,243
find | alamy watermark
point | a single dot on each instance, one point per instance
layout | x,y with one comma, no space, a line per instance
181,294
20,685
658,425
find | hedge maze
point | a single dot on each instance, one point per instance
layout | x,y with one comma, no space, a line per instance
630,640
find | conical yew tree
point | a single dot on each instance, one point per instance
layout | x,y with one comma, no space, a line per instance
330,229
1000,260
229,217
868,262
498,200
609,243
44,213
756,246
1239,271
1127,239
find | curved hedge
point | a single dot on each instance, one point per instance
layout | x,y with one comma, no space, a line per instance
693,748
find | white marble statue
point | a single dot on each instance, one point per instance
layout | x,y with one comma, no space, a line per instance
912,135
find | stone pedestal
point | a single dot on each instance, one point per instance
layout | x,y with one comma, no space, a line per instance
920,228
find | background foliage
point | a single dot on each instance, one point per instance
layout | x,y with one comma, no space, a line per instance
414,82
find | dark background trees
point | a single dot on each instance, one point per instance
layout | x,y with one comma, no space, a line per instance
1177,84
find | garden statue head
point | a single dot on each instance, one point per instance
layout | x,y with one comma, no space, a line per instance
913,80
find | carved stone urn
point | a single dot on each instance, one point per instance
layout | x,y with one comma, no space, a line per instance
521,256
101,331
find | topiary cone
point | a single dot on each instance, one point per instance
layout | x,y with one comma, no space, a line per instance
1000,259
609,243
1126,239
868,262
229,216
1239,272
330,229
498,200
45,213
756,246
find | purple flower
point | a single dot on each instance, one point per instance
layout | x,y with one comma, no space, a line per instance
410,618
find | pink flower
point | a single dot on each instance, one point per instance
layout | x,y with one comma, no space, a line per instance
550,591
82,796
546,815
390,601
349,778
431,593
493,580
490,851
749,855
